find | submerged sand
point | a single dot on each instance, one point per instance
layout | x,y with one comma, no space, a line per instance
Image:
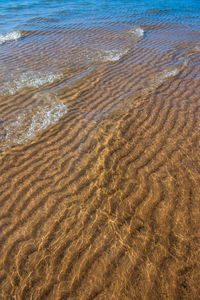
103,203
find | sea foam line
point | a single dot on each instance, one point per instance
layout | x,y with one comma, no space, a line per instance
113,55
197,48
10,36
28,123
28,79
138,31
116,54
159,79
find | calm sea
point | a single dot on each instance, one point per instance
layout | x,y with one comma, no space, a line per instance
53,44
99,149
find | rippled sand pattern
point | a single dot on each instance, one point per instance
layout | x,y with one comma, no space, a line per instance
103,203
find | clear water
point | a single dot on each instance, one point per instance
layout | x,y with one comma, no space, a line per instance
20,14
49,21
47,42
99,149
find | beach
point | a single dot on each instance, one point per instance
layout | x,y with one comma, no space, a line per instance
99,150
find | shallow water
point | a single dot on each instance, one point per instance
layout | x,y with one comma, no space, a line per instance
99,149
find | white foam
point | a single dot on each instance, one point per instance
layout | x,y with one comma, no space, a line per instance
27,124
113,55
28,79
10,36
197,48
137,31
159,78
166,74
116,54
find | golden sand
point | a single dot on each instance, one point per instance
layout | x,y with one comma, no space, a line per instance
104,204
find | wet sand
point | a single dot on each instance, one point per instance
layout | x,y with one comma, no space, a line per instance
104,203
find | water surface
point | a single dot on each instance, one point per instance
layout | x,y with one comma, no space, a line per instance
99,149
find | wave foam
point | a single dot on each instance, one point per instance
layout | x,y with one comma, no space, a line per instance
28,79
29,123
137,31
158,79
10,36
113,55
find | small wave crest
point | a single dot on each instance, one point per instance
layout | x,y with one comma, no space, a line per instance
28,123
197,48
27,80
10,36
117,52
137,31
113,55
159,79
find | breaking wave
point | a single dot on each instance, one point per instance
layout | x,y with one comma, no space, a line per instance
159,78
197,48
28,79
113,55
28,123
137,31
10,36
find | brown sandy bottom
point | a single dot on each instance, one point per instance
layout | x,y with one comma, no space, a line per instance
104,204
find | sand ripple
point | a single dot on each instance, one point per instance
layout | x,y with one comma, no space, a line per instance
100,168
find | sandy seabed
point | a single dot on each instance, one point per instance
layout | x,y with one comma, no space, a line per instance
104,203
